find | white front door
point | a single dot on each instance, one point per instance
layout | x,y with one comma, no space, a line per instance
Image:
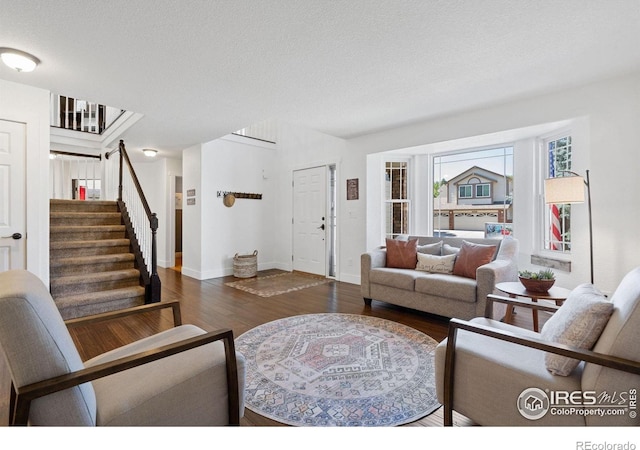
309,220
12,196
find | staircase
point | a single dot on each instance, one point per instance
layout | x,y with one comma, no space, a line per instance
92,268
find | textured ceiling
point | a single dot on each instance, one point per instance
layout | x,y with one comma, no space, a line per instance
198,70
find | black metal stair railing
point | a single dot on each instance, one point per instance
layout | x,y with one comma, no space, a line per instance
140,222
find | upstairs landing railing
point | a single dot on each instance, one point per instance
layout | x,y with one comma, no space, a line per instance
82,115
141,223
75,176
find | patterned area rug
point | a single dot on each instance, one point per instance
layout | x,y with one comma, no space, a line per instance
278,284
339,370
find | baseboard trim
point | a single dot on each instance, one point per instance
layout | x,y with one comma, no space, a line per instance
227,271
351,279
222,272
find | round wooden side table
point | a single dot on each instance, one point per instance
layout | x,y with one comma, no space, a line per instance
515,289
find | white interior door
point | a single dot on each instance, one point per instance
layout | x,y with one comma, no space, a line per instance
12,196
309,220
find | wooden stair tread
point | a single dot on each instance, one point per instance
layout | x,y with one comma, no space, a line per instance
76,228
90,243
97,214
94,259
57,205
58,201
100,297
95,277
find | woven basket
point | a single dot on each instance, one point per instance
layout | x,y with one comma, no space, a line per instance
245,266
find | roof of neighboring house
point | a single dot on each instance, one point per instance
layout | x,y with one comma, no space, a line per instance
478,171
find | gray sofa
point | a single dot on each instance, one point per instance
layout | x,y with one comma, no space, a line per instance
446,295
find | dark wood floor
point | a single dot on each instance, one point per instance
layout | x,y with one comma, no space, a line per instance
211,305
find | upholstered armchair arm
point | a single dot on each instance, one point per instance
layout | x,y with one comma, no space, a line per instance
613,362
87,320
368,261
22,397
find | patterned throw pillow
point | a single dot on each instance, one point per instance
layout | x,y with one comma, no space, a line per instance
435,264
402,254
578,323
472,256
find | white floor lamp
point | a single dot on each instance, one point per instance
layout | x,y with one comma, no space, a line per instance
570,190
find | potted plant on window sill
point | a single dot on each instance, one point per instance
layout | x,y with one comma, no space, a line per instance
540,281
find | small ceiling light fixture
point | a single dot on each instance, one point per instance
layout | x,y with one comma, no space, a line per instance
18,60
150,152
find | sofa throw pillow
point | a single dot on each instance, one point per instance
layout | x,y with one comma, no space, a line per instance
402,254
578,323
472,256
435,264
431,249
450,250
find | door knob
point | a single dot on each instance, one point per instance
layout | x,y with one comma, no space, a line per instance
13,236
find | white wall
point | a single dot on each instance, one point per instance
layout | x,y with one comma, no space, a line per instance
29,105
214,233
608,114
155,179
300,148
192,214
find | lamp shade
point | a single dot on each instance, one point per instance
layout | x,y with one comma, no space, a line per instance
564,190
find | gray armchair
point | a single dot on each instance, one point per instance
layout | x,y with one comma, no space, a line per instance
496,374
181,376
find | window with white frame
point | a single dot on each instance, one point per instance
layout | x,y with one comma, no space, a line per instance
465,191
473,193
557,232
397,204
483,190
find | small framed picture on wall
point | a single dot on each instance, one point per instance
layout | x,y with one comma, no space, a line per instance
352,189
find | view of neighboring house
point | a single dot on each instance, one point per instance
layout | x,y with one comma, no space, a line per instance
474,200
478,186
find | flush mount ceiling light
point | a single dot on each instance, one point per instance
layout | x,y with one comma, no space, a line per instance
150,152
18,60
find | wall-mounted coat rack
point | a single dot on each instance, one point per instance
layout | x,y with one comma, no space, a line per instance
229,198
240,195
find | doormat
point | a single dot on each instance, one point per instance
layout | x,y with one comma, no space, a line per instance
280,283
339,370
